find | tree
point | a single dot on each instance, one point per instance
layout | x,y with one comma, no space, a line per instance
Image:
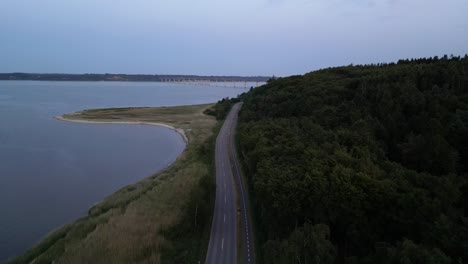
306,245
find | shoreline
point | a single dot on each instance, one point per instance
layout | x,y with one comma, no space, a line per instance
171,188
179,131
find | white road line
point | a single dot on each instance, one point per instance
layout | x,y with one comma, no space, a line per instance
222,243
224,218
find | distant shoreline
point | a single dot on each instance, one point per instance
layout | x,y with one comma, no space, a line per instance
167,78
177,130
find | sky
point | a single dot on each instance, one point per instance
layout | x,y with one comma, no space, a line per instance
224,37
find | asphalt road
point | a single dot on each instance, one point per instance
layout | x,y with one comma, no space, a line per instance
230,203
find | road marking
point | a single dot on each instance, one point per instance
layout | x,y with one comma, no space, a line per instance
230,170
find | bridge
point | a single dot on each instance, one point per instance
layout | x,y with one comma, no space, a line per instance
214,83
222,81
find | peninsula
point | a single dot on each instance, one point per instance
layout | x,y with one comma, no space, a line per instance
142,222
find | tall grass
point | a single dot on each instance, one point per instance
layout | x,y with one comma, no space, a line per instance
188,239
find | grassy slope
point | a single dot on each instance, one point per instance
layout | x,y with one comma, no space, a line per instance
126,227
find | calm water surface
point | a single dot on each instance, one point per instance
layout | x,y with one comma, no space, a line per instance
52,172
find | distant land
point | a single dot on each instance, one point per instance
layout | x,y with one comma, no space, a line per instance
127,77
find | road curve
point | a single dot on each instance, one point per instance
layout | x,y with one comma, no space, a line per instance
222,248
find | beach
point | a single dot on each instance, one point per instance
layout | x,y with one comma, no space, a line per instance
178,130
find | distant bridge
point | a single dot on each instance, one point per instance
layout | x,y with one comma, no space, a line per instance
215,83
220,81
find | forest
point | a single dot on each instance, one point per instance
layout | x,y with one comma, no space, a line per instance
360,164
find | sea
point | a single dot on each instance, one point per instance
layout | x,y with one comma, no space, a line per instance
52,172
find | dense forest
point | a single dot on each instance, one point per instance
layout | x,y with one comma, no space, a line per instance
361,164
127,77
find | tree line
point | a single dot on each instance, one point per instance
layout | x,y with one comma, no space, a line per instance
361,164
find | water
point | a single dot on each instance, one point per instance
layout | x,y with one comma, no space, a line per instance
52,172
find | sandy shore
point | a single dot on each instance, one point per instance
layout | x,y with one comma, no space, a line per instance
178,130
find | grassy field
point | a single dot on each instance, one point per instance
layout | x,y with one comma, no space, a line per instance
143,222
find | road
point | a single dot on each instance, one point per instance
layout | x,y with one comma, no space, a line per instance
230,197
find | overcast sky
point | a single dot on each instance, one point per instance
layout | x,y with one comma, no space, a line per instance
228,37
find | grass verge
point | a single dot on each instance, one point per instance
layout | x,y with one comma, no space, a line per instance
143,222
